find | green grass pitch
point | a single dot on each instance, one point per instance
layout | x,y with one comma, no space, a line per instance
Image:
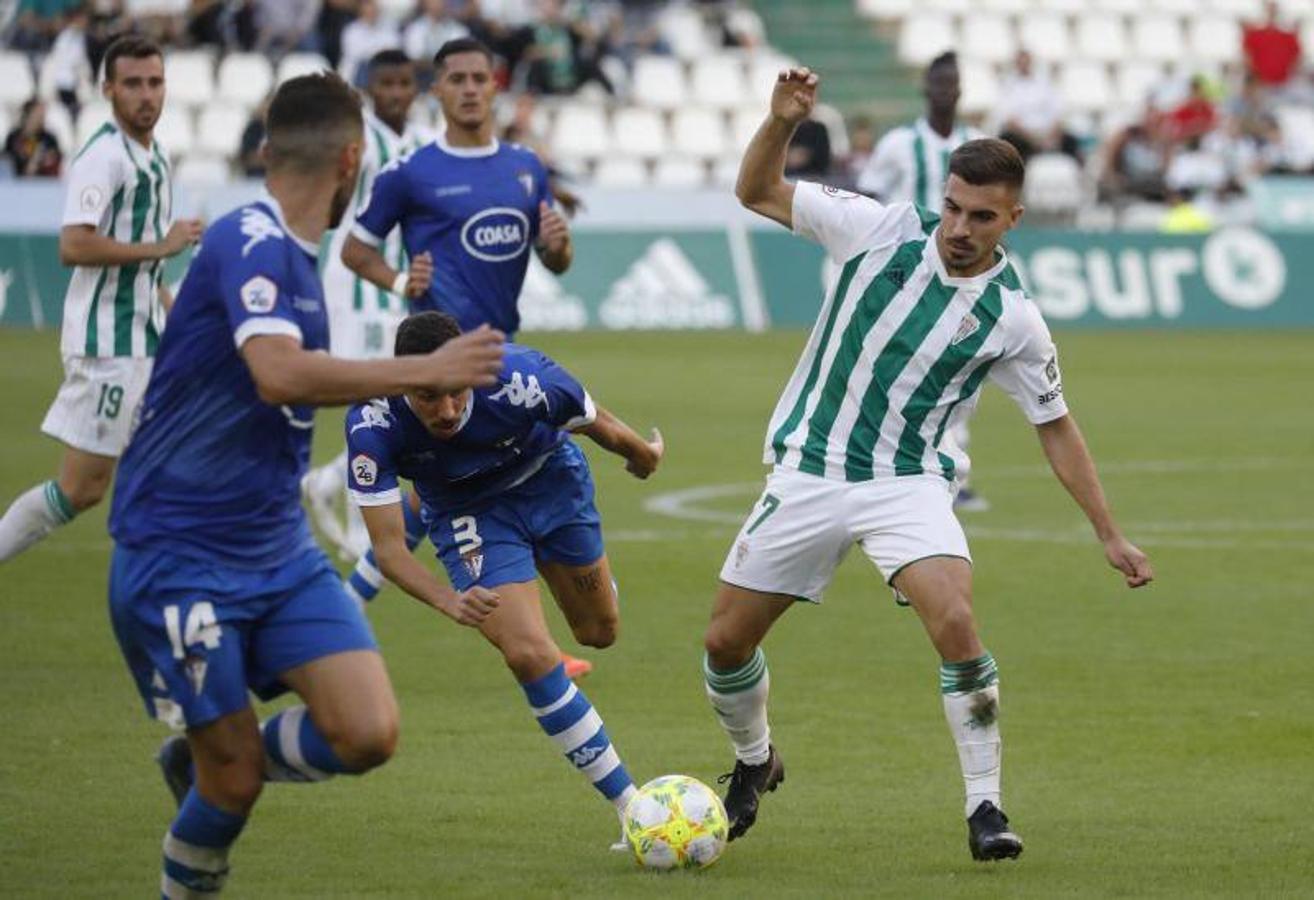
1158,743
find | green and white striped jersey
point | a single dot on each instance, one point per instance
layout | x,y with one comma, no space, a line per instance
125,191
900,349
382,146
911,164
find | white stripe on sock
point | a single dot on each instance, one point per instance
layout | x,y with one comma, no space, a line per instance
541,711
203,859
373,577
176,890
289,741
580,732
601,767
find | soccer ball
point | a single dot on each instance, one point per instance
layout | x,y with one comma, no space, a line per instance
676,822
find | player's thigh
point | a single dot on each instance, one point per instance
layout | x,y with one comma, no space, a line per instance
518,629
740,621
586,595
350,699
939,589
96,403
487,545
900,521
85,477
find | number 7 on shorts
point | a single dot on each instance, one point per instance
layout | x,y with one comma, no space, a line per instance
770,503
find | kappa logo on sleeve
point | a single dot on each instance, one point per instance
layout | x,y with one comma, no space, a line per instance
257,226
374,415
364,469
521,391
259,295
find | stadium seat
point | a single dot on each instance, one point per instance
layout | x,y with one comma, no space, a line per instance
1297,125
1053,185
925,36
16,82
189,76
620,172
202,171
1084,86
90,117
581,132
1045,36
1063,7
1137,81
1007,7
219,130
980,88
699,133
725,172
762,74
1180,8
1142,216
659,82
397,10
988,38
1246,10
952,7
677,172
245,79
295,64
1214,38
175,131
639,132
718,81
744,123
1101,36
885,10
1121,7
60,124
685,31
1157,37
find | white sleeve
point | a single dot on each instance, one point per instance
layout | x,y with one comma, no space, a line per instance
1029,369
882,174
843,222
92,180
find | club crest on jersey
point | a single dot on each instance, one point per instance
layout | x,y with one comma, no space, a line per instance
526,180
258,295
497,234
741,553
473,560
364,470
196,668
1051,369
966,328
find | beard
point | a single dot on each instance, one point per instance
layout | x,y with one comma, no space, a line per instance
341,200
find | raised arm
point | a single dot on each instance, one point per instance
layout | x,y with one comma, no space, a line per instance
614,436
286,373
761,186
388,540
1071,461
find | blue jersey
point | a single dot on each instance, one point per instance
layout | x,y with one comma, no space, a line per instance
212,472
476,211
507,433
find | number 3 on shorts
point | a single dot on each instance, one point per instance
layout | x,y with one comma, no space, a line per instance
770,503
465,531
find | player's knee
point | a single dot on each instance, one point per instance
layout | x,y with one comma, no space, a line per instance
600,631
368,742
86,492
233,783
531,660
726,650
955,627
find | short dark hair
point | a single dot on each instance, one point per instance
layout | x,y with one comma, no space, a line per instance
133,46
988,161
386,59
947,58
310,119
461,45
424,332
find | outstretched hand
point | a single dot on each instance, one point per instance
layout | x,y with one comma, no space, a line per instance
795,94
473,359
1128,559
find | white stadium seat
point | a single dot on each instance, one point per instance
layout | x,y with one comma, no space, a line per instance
1214,38
980,88
1157,37
744,124
397,10
676,172
1180,8
699,133
1084,86
1101,37
1045,36
1053,184
885,10
718,81
988,38
1251,10
620,172
640,132
175,131
659,82
60,124
1137,82
581,132
1064,7
925,36
953,7
219,130
16,82
725,172
202,171
296,64
245,79
686,33
762,74
90,117
189,77
1121,7
1008,7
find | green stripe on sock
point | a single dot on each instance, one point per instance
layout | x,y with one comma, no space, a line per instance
736,680
971,675
60,506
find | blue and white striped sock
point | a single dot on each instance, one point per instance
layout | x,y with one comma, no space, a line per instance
567,717
365,581
295,750
196,849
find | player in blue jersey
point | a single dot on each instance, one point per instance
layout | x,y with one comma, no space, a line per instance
507,496
216,586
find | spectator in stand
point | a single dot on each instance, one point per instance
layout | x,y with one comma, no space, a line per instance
1272,52
108,22
1030,115
862,144
366,36
741,27
250,158
37,22
286,25
565,53
30,148
809,155
1134,165
1195,116
69,64
436,25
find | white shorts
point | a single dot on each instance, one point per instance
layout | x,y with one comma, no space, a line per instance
97,404
365,333
802,526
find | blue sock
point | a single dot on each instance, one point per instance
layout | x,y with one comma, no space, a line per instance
295,750
196,848
365,581
566,715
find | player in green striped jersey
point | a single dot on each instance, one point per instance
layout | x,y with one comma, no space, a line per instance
925,309
118,229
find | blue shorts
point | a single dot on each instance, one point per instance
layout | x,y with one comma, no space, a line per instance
548,518
198,635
